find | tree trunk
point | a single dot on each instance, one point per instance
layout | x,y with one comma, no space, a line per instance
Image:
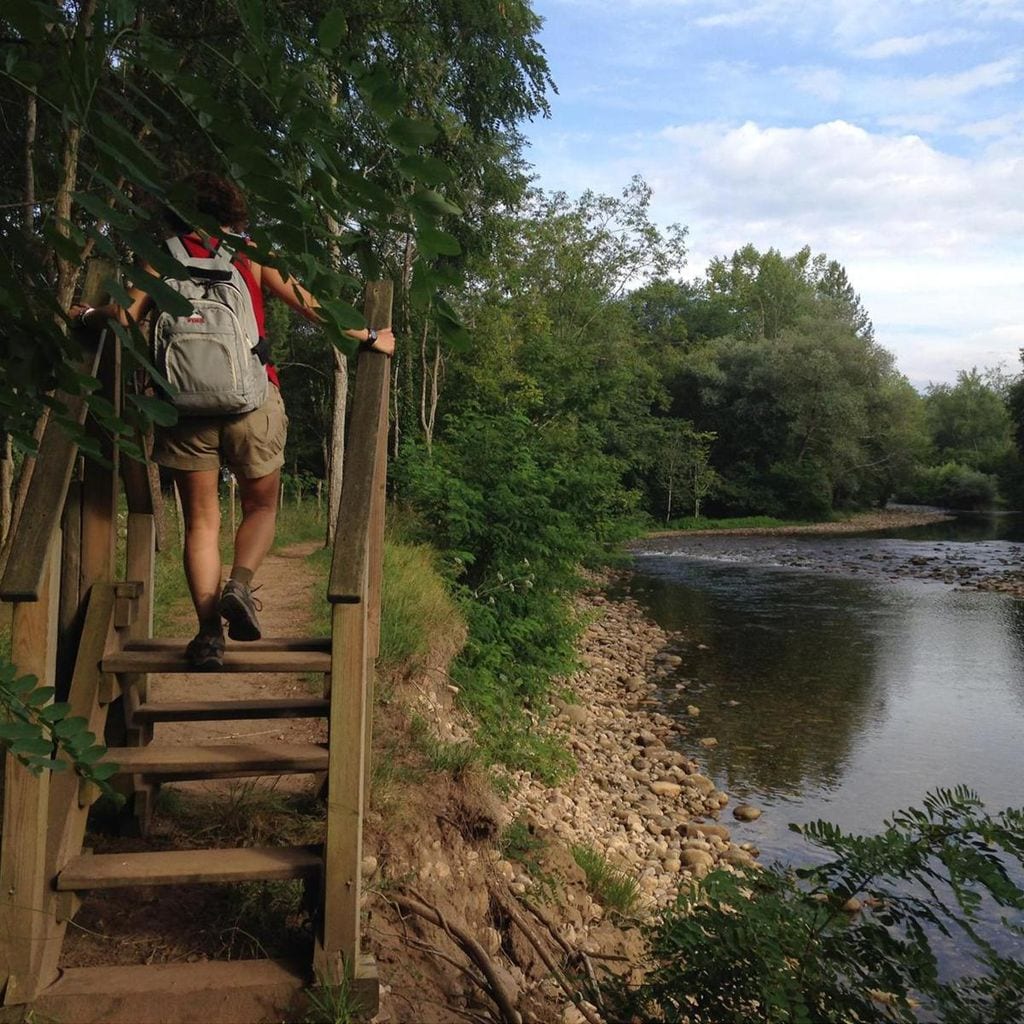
31,120
429,386
67,270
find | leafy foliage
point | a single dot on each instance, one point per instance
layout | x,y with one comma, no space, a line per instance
952,485
777,945
37,731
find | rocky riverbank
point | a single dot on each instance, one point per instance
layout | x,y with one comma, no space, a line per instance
636,797
877,520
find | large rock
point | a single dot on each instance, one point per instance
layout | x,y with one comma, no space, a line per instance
671,789
701,783
746,812
699,862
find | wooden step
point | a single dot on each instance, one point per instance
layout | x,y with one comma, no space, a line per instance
230,710
230,760
237,658
268,643
226,992
186,867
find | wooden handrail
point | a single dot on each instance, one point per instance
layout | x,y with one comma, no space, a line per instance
351,544
363,467
41,514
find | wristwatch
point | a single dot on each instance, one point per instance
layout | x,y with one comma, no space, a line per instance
371,339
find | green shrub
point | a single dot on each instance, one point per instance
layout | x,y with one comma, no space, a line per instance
783,946
953,485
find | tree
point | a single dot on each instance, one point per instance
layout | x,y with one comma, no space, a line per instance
969,421
683,465
809,413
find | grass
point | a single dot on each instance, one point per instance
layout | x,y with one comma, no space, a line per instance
248,813
614,889
456,759
333,1004
737,523
518,843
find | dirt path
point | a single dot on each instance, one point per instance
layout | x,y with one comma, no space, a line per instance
172,924
287,594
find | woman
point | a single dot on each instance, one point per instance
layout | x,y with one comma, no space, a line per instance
250,444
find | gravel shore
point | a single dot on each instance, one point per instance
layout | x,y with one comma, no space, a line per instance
637,797
861,522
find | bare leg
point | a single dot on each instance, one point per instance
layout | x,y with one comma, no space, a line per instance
201,510
259,518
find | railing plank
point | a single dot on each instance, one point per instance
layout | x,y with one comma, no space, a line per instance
44,503
23,879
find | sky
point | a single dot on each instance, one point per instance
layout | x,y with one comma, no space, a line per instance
889,135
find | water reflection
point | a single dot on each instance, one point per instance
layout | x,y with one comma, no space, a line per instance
853,696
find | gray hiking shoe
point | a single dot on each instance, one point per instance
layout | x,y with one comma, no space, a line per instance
239,608
205,652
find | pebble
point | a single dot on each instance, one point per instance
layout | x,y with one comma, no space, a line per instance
746,812
636,790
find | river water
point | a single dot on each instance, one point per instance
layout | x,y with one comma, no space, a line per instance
846,676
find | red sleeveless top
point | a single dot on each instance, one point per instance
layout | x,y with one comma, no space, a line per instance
195,247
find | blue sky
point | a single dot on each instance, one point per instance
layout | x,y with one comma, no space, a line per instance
889,135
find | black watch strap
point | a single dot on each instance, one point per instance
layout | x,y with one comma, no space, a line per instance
371,339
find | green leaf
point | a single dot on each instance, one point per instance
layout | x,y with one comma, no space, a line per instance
156,410
343,314
428,201
383,94
24,684
90,755
433,242
427,169
104,771
55,712
39,696
331,29
71,728
409,133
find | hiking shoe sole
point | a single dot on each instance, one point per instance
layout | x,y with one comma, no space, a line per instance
240,616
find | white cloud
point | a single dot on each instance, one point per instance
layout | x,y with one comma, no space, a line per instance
906,46
936,88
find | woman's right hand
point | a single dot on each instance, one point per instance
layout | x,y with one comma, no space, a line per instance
385,342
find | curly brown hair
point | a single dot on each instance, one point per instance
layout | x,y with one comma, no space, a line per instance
216,197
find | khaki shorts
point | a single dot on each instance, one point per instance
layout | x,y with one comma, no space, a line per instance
251,444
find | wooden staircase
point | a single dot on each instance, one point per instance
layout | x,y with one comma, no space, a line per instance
77,628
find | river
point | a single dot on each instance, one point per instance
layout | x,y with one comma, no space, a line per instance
845,676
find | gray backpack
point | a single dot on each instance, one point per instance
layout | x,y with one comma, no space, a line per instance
211,356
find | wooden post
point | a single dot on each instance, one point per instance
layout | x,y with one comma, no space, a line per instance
377,312
67,812
23,879
338,952
354,590
100,485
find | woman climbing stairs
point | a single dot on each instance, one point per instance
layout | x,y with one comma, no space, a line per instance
78,628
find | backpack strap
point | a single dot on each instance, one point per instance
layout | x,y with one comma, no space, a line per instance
215,267
176,247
